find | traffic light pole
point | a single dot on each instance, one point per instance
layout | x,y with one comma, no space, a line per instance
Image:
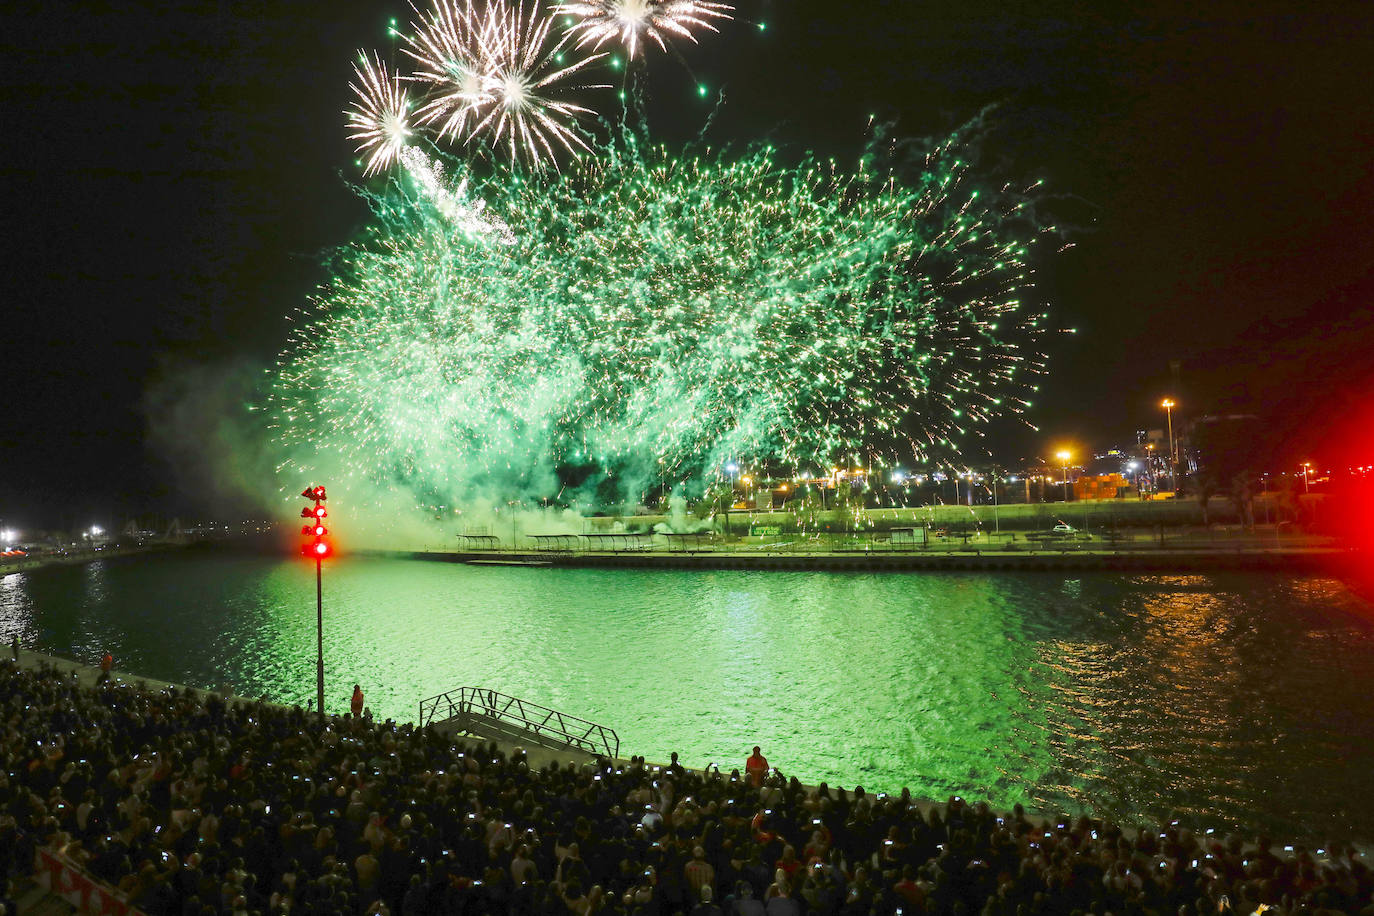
318,549
319,636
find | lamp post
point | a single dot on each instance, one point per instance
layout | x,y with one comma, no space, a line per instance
1169,406
1064,459
996,522
1306,486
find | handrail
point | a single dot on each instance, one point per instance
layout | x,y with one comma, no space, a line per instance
465,704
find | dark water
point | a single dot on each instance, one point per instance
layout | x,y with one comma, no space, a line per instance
1231,699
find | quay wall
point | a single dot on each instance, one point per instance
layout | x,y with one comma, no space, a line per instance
1302,560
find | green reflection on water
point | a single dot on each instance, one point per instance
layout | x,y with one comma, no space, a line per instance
1225,698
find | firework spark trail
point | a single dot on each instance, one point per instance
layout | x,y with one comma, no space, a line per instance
632,21
655,315
454,204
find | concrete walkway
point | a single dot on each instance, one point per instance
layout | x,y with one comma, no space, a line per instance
87,675
539,757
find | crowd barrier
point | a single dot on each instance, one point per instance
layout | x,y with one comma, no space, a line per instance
61,877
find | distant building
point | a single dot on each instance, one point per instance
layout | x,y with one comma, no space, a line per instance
1101,486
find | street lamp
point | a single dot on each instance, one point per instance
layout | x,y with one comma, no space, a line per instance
1064,457
1169,406
996,522
1306,487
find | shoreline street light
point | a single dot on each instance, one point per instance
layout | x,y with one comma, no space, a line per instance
1306,487
1169,405
996,522
317,548
1064,457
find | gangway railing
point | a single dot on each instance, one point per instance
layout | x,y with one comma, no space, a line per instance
494,714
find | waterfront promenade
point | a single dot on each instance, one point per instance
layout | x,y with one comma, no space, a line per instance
1139,551
76,557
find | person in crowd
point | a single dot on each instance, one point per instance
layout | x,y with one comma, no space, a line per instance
778,899
756,767
699,873
744,902
706,907
356,705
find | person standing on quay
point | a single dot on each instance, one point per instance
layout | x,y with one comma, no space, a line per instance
15,646
357,705
106,666
756,768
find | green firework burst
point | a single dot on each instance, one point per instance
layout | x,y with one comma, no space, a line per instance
652,315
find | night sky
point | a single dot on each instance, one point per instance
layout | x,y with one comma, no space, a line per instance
174,175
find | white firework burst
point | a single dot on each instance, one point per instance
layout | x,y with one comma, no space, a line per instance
599,21
380,117
524,67
452,62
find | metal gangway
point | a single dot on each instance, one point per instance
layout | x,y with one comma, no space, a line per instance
495,715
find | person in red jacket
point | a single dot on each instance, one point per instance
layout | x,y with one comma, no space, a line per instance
756,767
106,665
357,705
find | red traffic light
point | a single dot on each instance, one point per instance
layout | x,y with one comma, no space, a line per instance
317,549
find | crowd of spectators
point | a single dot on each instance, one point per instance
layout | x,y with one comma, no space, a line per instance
195,806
